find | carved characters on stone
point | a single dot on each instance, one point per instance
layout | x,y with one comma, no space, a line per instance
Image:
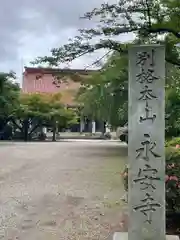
147,149
144,57
146,76
148,114
147,206
147,176
147,94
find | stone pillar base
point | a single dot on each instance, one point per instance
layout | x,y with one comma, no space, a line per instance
93,127
124,236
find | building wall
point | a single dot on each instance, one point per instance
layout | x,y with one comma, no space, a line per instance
38,80
45,83
34,82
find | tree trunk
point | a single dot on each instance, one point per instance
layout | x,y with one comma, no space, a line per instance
3,123
54,132
33,129
16,125
25,129
103,128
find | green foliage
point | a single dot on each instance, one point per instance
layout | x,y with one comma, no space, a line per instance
44,107
105,95
9,93
31,106
36,110
172,179
173,142
147,20
173,105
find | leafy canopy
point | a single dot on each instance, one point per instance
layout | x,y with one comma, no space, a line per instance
104,96
9,94
149,21
42,107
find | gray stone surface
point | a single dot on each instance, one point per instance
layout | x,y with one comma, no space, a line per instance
146,143
124,236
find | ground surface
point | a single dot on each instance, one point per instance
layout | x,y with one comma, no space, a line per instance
62,190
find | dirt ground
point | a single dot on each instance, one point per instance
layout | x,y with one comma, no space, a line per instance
62,190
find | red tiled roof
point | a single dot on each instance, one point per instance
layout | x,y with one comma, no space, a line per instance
57,70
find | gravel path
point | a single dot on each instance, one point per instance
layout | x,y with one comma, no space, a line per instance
62,190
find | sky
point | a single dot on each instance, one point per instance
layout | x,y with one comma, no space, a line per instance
30,28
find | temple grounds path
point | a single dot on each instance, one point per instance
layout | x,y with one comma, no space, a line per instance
63,190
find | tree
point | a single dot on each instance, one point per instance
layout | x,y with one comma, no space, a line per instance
29,114
37,110
148,20
173,113
173,103
104,95
9,94
58,115
151,21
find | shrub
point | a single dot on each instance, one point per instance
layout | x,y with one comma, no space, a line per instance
173,142
172,179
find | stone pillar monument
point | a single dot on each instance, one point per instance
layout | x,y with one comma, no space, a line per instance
146,152
82,125
93,127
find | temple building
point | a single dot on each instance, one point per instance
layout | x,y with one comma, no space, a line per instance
64,81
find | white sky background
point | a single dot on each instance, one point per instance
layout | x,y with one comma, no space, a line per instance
30,28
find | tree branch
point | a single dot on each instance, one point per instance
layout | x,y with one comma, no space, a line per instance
164,30
17,126
119,30
70,52
98,60
34,128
